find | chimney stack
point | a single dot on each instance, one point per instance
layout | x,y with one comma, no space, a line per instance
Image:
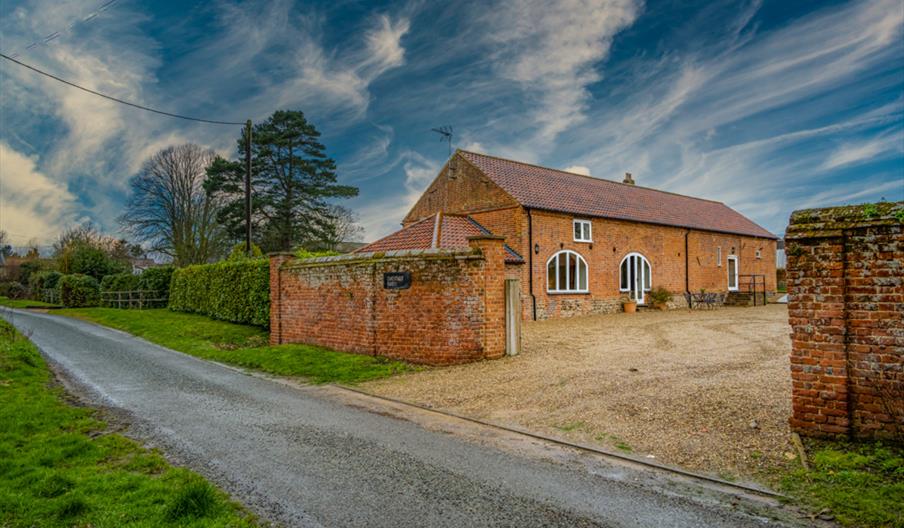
628,179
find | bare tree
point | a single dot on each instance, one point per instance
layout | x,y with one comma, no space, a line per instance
169,209
338,225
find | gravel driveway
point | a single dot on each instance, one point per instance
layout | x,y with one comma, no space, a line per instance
708,390
304,457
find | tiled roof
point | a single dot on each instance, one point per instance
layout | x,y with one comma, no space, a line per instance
453,234
554,190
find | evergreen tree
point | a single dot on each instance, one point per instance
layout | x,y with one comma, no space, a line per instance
292,181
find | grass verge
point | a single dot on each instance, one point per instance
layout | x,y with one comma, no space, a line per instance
241,345
25,303
860,484
59,468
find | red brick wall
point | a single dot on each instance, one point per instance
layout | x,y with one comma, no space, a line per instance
466,190
846,309
663,247
452,313
459,188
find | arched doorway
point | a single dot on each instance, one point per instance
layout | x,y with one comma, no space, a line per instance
635,276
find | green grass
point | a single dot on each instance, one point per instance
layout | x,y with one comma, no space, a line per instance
861,484
241,345
570,426
24,303
59,467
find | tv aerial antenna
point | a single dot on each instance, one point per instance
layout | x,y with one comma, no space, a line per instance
445,134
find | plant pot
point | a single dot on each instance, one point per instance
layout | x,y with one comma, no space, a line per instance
661,306
629,307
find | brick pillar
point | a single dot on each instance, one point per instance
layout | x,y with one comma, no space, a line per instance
493,250
816,313
846,309
276,262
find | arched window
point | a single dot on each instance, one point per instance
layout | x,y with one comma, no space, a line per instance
635,276
566,272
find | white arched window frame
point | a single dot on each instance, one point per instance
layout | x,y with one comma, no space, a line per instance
566,272
634,271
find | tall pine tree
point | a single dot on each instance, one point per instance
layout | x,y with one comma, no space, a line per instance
292,181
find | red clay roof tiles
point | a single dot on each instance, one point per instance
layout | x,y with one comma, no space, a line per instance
554,190
453,234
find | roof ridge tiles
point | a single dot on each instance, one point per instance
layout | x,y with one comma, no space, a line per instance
587,176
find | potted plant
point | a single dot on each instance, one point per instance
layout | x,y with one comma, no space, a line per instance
629,305
660,297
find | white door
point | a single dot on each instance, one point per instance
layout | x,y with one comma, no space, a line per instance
732,273
636,276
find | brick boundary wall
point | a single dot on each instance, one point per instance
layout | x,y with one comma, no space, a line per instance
454,311
845,273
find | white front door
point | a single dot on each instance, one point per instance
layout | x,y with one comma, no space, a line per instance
635,276
732,273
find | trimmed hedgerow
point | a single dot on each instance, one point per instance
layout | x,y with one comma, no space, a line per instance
236,291
156,279
119,282
79,290
43,280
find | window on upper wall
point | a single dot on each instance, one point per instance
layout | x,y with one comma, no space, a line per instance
566,272
759,253
582,231
719,256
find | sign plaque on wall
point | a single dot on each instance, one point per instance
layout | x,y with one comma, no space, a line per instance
397,280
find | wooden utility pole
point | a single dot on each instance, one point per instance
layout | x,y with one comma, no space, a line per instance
248,188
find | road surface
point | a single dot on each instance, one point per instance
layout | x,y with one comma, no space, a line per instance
302,457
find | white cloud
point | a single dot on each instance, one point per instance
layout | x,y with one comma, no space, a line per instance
340,80
857,152
383,217
32,205
578,169
552,49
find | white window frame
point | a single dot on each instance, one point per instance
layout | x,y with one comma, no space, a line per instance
584,223
646,278
759,253
719,256
565,253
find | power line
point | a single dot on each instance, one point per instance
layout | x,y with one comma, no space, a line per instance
105,96
57,34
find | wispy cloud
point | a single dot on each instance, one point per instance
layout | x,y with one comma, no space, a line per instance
856,152
552,50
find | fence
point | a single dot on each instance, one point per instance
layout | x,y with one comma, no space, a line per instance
755,285
50,295
134,299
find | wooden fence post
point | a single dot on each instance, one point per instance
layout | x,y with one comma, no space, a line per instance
512,317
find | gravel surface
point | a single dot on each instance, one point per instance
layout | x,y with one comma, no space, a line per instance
707,390
296,456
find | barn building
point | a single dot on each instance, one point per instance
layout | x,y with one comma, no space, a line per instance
583,245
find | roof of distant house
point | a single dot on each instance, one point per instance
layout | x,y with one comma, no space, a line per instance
556,190
439,230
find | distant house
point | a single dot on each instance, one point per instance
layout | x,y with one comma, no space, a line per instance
141,264
580,244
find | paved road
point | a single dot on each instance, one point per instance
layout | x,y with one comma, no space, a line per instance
304,459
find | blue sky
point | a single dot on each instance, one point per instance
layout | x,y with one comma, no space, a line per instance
766,107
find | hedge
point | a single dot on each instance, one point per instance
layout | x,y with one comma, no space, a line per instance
79,290
43,280
119,282
236,291
156,279
12,290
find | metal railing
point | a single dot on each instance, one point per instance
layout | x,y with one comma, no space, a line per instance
754,285
134,299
